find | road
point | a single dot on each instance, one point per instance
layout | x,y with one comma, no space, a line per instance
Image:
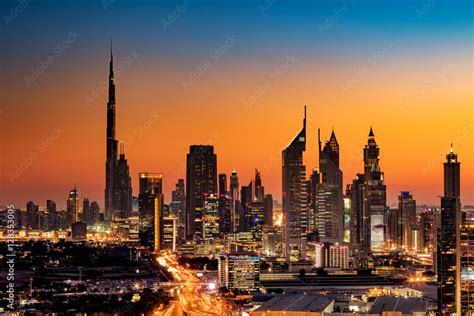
192,297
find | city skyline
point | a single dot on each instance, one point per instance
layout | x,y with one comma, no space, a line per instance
156,103
208,157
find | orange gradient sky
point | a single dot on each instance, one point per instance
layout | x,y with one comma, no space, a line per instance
418,100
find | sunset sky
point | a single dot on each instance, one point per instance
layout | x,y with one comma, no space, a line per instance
236,75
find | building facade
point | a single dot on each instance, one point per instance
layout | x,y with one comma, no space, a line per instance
294,196
449,240
201,179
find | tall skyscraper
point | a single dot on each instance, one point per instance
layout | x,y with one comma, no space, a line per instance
222,183
374,198
408,222
294,195
94,214
356,209
112,144
224,206
253,194
53,216
178,205
331,215
210,218
73,206
86,208
201,179
118,197
268,207
449,240
234,198
150,201
312,192
32,215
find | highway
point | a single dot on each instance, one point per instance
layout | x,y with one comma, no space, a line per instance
192,297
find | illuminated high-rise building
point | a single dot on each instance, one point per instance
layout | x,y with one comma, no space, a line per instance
253,206
467,267
177,205
169,232
86,207
224,205
73,206
449,240
357,218
255,219
234,198
150,202
294,195
210,219
347,219
32,215
273,241
53,216
93,219
329,255
407,222
312,192
429,223
201,179
373,200
331,216
239,272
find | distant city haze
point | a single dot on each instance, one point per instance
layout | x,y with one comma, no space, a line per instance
235,76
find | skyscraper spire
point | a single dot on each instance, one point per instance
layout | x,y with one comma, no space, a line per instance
371,133
304,120
122,148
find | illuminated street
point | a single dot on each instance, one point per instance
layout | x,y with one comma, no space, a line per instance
192,297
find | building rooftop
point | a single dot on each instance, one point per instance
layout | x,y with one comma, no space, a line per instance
399,304
298,302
